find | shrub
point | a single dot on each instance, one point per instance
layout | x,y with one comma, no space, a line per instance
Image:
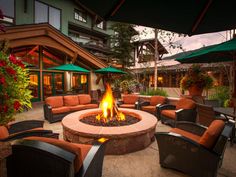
221,93
152,92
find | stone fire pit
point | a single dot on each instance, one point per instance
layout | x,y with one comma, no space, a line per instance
123,139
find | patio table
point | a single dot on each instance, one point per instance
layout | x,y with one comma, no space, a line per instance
229,113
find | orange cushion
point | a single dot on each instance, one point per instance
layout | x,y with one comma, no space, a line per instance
3,132
71,100
78,150
185,103
60,110
212,133
77,107
169,113
90,106
55,101
186,134
130,99
157,100
84,99
132,106
151,109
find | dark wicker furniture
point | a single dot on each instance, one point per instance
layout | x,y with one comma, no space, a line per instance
184,154
23,129
57,107
184,110
31,158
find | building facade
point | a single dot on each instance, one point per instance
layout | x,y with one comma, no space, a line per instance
48,33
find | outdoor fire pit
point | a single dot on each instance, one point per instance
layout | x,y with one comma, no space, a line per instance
128,130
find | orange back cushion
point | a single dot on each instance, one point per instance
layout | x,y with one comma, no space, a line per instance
54,101
157,100
64,145
211,135
185,103
130,99
71,100
3,132
84,99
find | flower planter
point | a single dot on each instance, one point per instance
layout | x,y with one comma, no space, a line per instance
195,91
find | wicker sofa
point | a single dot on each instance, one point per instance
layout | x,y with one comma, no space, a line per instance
56,107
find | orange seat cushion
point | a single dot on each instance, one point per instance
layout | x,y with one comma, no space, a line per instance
132,106
3,132
169,113
90,106
157,100
71,100
77,107
130,99
212,133
151,109
185,103
84,99
80,151
186,134
60,110
55,101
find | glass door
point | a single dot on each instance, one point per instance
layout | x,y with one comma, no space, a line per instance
53,84
34,86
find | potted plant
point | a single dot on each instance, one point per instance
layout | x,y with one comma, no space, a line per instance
196,80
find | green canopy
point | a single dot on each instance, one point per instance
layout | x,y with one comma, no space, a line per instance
225,51
185,16
69,67
109,69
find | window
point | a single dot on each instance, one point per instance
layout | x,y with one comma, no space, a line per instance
8,9
80,16
46,13
102,25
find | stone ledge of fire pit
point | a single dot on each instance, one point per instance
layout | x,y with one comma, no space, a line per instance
123,139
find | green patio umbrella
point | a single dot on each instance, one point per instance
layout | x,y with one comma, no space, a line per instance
185,16
69,67
222,52
110,70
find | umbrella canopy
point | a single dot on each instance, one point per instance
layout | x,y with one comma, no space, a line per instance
225,51
69,67
108,70
185,16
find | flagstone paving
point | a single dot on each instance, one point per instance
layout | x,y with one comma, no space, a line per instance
144,163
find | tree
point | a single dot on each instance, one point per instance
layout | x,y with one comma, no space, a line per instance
121,42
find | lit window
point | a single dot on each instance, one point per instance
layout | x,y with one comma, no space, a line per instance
83,79
80,16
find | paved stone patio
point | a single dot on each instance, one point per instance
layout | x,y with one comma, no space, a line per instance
143,163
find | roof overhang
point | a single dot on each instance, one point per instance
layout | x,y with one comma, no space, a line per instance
46,35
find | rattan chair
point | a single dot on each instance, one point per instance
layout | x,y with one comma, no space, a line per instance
183,148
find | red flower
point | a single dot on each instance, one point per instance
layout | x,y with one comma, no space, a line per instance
13,59
19,63
11,71
5,108
2,63
17,105
2,80
15,78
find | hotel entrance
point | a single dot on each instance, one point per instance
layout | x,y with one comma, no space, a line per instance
53,84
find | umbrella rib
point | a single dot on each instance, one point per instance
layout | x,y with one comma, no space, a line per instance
199,19
115,9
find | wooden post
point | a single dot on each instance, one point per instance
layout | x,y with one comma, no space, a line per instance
5,151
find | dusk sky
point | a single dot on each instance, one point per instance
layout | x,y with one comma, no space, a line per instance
188,43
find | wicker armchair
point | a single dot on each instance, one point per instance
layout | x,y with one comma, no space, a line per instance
184,110
192,149
47,157
206,114
23,129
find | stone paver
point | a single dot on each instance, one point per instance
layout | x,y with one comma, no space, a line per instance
144,163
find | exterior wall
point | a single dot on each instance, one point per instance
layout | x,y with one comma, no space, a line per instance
67,14
93,85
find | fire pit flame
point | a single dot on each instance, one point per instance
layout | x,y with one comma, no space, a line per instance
109,108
